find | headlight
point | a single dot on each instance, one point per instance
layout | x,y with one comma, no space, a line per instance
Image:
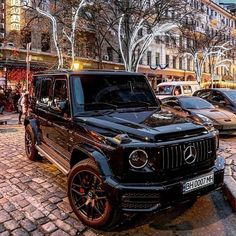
138,159
205,119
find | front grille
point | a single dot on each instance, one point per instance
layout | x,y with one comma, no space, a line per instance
172,157
140,200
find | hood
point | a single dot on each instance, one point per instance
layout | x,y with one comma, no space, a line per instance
142,125
218,115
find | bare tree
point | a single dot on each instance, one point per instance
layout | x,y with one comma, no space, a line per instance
139,22
64,20
203,44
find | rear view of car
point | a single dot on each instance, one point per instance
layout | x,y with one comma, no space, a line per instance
176,88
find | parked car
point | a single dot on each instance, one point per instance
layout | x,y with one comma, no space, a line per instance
106,131
224,121
224,98
176,88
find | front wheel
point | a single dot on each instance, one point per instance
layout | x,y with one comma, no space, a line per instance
87,197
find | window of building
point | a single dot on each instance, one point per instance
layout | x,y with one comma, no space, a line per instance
140,32
167,40
120,60
157,39
180,41
157,58
180,63
188,64
174,62
168,59
26,37
45,42
141,60
110,53
149,58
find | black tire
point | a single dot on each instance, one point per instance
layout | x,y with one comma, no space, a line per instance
87,197
30,141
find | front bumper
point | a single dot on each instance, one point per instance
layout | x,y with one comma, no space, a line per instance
149,197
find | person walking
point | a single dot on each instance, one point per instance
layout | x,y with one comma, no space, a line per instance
16,98
23,105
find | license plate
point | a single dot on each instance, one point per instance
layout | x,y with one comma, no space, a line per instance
197,183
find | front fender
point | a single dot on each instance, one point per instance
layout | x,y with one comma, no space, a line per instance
99,158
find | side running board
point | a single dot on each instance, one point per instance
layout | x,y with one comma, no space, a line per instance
53,160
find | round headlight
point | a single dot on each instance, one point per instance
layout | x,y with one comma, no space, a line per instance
138,159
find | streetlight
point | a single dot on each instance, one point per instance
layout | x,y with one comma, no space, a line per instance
76,66
28,59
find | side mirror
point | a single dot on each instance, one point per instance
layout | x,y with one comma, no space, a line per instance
216,106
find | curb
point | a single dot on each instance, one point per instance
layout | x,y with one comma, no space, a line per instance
229,190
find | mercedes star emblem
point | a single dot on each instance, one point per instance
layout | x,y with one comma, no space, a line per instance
190,154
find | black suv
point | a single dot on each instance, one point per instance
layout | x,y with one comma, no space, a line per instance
121,152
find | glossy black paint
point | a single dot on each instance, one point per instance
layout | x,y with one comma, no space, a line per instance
100,136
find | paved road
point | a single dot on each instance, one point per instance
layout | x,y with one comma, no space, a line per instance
33,202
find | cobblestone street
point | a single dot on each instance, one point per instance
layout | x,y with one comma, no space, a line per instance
33,200
32,194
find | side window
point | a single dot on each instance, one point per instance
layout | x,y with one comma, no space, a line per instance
187,89
218,97
36,87
170,102
60,96
46,92
205,95
177,91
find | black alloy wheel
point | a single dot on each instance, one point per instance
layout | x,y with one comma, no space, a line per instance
87,197
30,149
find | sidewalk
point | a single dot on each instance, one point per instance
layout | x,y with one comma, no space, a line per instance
228,151
10,117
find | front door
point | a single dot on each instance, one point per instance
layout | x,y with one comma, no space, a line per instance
60,118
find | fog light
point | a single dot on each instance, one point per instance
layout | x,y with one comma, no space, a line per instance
138,159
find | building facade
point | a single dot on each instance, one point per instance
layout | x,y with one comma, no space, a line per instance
162,61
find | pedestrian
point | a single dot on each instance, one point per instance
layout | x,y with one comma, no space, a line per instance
23,105
2,101
16,98
19,105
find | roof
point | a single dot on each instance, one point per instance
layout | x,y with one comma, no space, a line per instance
184,96
84,72
179,83
219,89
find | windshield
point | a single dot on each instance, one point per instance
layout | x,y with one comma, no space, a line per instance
195,103
165,89
102,92
231,95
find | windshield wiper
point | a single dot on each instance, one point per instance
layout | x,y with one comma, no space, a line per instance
99,104
136,103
